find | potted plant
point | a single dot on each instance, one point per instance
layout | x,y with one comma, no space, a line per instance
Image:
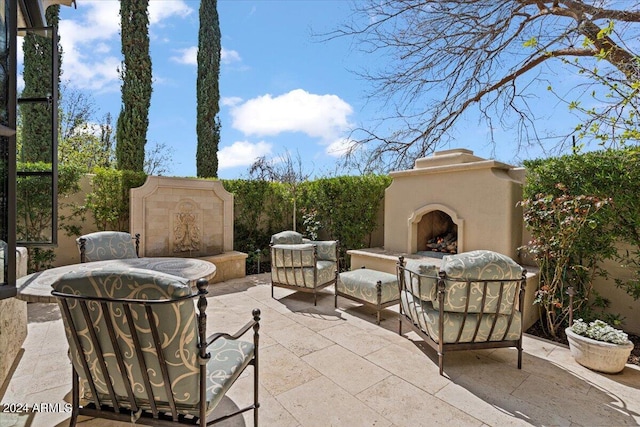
599,346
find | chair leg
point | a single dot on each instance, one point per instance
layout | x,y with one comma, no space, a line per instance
520,354
75,398
440,363
272,290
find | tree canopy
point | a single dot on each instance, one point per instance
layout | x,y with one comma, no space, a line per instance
207,89
133,121
445,58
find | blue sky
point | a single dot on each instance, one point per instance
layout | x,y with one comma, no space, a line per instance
281,88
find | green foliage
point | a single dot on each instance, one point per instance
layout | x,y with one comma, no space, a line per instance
109,200
261,209
33,208
607,174
568,241
207,90
131,129
36,117
342,208
346,207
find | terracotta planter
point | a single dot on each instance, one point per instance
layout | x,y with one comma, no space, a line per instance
598,355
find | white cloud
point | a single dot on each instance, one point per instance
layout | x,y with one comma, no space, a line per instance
189,56
160,10
242,153
230,101
319,116
339,147
229,56
91,42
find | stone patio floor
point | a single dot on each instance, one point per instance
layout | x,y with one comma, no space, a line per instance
321,366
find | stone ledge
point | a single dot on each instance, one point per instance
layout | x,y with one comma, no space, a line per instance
229,265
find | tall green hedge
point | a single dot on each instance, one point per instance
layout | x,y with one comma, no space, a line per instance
607,174
345,208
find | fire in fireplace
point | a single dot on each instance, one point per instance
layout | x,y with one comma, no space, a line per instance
444,243
437,233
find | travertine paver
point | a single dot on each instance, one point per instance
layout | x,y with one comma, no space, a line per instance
321,366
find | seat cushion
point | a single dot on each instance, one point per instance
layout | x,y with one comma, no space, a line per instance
361,284
228,360
423,313
104,245
480,265
286,238
304,277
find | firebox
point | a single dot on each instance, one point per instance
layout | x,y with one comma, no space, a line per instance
437,233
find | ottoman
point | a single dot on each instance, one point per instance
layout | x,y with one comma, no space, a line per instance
373,288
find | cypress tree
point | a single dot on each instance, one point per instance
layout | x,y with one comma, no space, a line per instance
208,92
36,117
133,121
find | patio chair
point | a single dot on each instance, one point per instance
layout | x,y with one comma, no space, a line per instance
301,264
104,245
140,353
475,301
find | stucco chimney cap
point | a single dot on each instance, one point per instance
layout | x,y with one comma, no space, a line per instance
447,157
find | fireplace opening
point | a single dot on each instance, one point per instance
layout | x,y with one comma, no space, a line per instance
437,233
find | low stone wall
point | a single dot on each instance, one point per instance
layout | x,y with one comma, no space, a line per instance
13,322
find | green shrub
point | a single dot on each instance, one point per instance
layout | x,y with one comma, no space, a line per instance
34,210
109,199
612,175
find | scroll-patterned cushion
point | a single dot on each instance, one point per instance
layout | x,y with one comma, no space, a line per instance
421,279
178,330
327,249
480,265
179,339
104,245
286,238
293,255
228,359
304,277
427,317
361,284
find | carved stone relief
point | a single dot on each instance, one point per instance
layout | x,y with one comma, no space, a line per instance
187,234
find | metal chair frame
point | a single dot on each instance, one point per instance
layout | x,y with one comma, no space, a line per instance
304,286
437,343
127,408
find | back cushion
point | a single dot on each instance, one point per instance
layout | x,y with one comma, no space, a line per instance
176,324
293,255
422,282
327,249
480,265
104,245
286,238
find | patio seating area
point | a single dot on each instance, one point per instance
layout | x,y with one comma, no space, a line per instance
327,366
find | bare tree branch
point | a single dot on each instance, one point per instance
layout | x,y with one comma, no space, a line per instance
440,57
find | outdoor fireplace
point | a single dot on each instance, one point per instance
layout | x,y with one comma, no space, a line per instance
455,196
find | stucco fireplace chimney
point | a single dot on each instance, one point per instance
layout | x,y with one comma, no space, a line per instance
477,196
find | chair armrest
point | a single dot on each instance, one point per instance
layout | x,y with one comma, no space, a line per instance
249,325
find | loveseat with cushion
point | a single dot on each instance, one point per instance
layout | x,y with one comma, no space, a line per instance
474,301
